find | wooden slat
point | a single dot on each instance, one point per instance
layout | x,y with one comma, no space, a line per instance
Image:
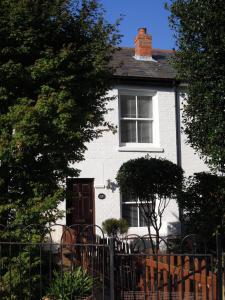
171,271
197,279
203,279
180,277
152,274
187,277
165,278
147,274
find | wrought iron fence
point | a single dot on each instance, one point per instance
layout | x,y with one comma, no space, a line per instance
34,266
82,263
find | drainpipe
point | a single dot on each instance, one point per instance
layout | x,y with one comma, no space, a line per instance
178,139
178,125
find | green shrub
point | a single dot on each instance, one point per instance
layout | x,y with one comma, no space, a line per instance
114,227
70,284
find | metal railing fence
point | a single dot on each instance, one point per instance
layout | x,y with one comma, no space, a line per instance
81,263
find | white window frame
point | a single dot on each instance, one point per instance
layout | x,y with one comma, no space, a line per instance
155,145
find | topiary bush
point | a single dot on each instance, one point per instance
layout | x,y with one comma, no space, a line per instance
154,182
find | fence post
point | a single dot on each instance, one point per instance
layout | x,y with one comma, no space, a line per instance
219,261
111,263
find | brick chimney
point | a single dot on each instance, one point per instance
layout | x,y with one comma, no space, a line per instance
143,45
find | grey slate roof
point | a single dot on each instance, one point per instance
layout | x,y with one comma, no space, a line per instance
127,66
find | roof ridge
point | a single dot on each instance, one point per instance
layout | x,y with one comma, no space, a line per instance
153,49
164,50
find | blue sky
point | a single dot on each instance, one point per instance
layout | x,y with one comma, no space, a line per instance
141,13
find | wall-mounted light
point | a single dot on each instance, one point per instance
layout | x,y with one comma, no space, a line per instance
110,185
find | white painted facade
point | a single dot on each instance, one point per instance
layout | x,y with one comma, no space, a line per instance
105,155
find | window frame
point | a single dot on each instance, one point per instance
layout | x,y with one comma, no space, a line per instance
154,119
137,203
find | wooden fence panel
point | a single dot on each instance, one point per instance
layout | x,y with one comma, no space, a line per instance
183,276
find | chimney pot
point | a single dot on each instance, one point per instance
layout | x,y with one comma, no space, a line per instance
143,45
142,30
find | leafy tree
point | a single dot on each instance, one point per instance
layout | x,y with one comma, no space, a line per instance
199,30
203,204
54,75
154,182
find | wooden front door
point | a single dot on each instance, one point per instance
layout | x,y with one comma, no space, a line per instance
80,195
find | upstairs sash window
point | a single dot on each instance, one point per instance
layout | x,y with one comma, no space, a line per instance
136,120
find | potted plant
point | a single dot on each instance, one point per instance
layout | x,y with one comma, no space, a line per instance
113,227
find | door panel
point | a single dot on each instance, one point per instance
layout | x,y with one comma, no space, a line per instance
80,201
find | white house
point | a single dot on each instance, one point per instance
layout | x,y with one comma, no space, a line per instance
147,113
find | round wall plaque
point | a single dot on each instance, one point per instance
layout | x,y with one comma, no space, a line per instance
101,196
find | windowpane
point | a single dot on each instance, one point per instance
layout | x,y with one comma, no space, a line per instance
130,213
134,212
144,131
141,215
128,131
128,106
144,106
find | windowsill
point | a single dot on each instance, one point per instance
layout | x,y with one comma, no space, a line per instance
137,227
140,149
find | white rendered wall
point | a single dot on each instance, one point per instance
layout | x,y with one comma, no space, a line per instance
104,158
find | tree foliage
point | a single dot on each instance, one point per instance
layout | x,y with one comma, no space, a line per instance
154,182
54,75
199,30
203,205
